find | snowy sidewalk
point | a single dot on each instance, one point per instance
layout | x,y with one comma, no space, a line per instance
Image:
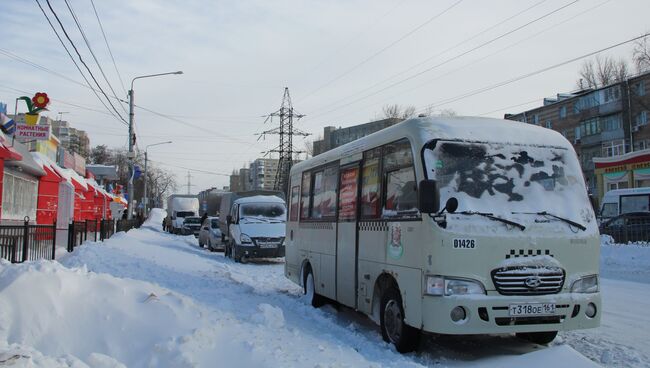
148,298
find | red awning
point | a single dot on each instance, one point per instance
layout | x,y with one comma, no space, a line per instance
9,153
51,175
78,186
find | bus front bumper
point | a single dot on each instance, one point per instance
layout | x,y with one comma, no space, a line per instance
490,314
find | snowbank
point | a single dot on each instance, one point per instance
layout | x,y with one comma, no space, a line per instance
629,262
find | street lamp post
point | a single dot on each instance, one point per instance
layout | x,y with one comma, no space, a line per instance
131,154
145,199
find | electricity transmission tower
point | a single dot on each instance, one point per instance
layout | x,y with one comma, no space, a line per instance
189,182
286,132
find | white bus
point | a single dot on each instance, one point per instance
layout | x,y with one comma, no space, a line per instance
451,226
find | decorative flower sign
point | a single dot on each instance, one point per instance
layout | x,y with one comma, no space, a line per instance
35,105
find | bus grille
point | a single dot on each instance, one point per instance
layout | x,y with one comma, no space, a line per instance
528,280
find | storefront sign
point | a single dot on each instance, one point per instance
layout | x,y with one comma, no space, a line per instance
615,169
79,164
68,160
33,132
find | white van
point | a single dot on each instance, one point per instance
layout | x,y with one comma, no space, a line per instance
619,201
451,226
257,226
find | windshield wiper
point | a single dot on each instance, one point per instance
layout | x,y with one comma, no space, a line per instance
544,213
492,217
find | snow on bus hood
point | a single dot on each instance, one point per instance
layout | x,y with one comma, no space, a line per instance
511,181
269,230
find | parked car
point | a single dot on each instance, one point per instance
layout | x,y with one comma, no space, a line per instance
620,201
628,227
210,235
191,226
257,228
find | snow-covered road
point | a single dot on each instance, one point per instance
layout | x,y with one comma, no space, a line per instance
148,298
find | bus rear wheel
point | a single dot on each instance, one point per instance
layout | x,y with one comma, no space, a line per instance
541,338
393,328
309,290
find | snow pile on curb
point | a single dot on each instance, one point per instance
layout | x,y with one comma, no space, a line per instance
629,262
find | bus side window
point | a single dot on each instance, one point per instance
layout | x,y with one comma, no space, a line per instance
400,193
370,184
305,194
293,208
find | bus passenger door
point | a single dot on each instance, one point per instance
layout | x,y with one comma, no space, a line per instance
346,236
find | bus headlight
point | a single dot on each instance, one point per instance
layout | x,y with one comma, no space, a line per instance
245,240
435,285
463,287
439,285
587,284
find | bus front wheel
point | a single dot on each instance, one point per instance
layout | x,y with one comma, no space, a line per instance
393,328
541,338
309,290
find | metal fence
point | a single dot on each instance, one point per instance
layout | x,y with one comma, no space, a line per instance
106,229
27,242
625,229
126,225
77,234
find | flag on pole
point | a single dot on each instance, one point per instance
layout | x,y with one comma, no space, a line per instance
7,125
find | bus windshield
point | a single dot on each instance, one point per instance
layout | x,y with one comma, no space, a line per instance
509,180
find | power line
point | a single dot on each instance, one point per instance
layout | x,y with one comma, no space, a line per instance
527,75
87,42
190,169
450,59
497,52
75,62
478,34
409,33
365,29
119,76
81,59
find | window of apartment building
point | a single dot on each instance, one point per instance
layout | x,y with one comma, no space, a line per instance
611,122
642,118
611,94
549,124
642,144
613,148
640,88
563,112
618,185
589,127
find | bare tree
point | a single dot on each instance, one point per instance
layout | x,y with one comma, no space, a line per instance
602,71
430,111
391,111
399,112
641,54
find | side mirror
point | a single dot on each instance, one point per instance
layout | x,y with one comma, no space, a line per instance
428,200
452,205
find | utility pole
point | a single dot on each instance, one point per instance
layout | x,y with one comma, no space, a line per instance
130,156
286,132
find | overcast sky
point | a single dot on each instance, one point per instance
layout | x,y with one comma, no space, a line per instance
341,59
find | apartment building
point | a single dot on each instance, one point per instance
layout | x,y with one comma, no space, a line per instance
608,128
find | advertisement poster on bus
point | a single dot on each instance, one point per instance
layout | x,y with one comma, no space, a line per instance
348,194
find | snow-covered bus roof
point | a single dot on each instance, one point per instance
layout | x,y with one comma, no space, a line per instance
421,130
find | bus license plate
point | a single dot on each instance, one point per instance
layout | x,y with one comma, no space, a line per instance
531,309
